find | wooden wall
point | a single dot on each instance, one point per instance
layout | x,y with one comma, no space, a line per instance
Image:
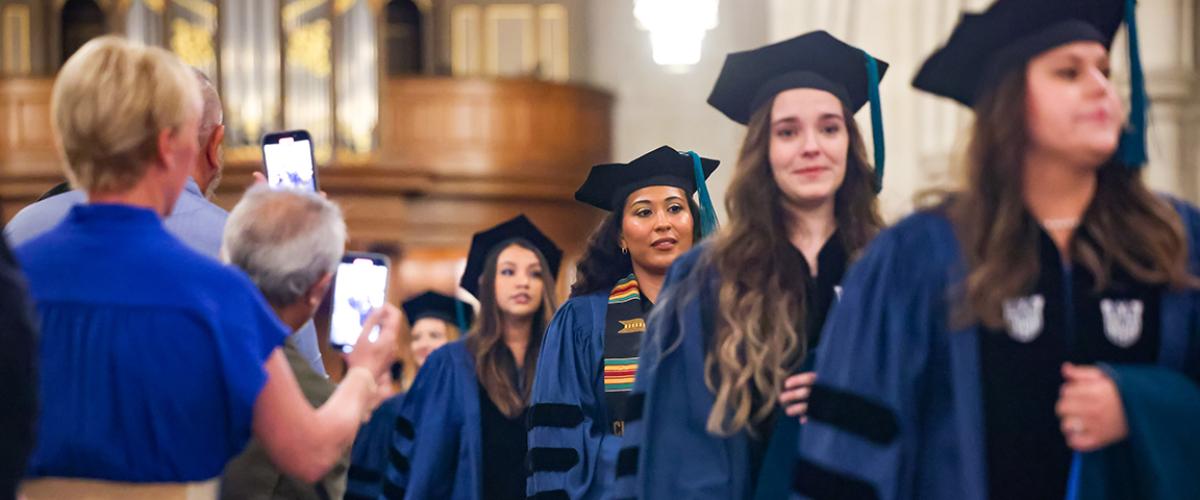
455,156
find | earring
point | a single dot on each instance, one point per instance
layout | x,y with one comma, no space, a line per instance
625,250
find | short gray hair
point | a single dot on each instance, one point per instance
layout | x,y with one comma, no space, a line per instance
212,114
285,240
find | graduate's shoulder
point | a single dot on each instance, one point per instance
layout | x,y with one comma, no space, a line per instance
922,241
691,261
581,306
1189,215
448,355
579,314
444,369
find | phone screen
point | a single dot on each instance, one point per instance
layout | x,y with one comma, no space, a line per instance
360,287
290,164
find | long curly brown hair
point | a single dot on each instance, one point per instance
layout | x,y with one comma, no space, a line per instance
1125,225
759,339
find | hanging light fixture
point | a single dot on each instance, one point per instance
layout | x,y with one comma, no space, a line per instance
676,27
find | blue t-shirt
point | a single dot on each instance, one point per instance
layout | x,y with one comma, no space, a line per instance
152,353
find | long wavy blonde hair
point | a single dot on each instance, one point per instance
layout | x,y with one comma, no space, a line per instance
758,341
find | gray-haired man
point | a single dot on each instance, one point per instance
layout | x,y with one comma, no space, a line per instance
289,243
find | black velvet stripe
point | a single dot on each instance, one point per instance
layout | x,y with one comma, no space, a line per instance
404,428
555,415
392,491
627,461
552,459
399,461
551,495
359,473
852,413
633,407
819,483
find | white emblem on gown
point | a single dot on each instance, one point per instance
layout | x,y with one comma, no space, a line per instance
1122,321
1024,317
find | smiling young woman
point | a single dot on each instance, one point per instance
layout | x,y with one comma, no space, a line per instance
729,343
590,354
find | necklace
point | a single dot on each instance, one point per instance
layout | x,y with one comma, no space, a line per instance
1061,224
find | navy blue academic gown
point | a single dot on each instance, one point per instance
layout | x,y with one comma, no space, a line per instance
369,455
1158,459
901,407
568,394
667,450
437,445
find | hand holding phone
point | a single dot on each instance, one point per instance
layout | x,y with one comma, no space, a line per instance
377,354
288,160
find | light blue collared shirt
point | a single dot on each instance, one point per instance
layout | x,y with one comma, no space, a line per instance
197,222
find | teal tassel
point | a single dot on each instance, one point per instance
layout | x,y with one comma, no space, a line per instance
1132,149
708,213
876,118
460,316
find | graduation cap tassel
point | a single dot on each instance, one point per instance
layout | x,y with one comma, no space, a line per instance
460,316
876,118
708,213
1132,149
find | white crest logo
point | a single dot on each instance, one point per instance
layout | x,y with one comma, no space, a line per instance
1122,321
1024,317
837,290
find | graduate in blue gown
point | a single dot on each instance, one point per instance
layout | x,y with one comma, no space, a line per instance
433,320
461,430
1039,322
730,336
590,352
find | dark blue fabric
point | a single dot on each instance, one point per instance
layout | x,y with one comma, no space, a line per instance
18,374
443,457
369,455
1158,459
153,353
676,457
889,341
570,374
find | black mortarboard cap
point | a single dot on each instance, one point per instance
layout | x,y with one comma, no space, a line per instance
751,78
608,185
435,305
517,228
986,45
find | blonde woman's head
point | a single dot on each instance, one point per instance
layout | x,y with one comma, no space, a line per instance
122,110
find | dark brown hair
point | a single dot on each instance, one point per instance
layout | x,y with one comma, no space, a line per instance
494,363
1125,225
757,344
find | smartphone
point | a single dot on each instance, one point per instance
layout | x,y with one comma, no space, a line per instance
359,287
288,160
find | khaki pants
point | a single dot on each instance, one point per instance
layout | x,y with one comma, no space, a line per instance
91,489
